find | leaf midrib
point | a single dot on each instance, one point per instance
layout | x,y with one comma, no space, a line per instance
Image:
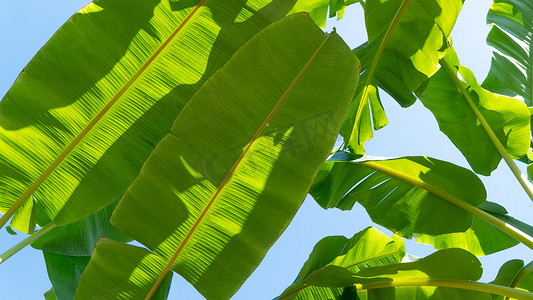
37,183
230,174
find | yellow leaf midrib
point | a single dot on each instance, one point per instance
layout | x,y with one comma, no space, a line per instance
36,184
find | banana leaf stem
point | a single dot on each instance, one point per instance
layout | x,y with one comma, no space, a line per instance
516,233
526,184
460,284
25,242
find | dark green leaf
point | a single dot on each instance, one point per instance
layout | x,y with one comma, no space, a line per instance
407,195
64,273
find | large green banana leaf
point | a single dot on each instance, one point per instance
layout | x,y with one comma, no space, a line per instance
507,117
511,70
318,9
365,249
79,238
449,264
64,273
134,270
406,40
88,109
221,187
407,195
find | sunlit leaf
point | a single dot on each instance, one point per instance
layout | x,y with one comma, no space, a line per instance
511,70
64,273
451,264
220,188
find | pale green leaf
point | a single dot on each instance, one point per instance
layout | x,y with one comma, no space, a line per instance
26,217
318,9
449,264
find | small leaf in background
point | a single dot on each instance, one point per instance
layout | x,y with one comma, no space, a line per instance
50,295
10,230
318,9
507,274
507,117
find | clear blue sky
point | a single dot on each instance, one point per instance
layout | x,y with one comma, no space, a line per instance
26,25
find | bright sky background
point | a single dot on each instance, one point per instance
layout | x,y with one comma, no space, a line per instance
26,25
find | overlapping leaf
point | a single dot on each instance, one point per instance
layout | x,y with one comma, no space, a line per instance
367,248
406,40
407,195
80,119
508,118
220,188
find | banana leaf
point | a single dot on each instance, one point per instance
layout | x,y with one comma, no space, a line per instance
221,187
